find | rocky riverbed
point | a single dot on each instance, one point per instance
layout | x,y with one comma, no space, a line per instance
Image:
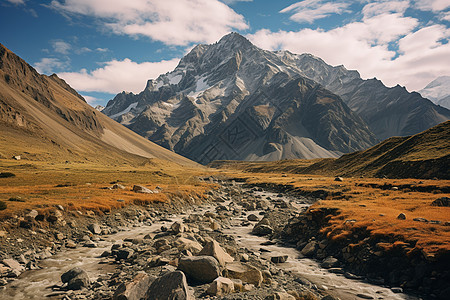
226,247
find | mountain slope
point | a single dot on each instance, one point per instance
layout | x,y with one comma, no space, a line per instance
42,117
232,100
438,91
387,111
424,155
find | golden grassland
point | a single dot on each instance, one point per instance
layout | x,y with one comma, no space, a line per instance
375,209
81,186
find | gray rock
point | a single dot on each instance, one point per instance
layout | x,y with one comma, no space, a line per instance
280,296
220,286
212,248
261,230
200,269
329,262
310,249
397,290
253,218
15,266
76,279
171,286
94,228
244,272
279,259
135,289
142,189
338,179
123,253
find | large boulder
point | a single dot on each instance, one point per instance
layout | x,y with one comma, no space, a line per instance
187,244
310,249
262,229
212,248
142,189
221,286
244,272
200,269
76,279
95,228
280,296
135,289
171,286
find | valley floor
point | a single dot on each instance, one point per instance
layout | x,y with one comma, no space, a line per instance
358,221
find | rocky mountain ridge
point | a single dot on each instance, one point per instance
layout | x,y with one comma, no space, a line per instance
232,100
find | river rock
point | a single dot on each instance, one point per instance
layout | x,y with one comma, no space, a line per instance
261,229
244,272
184,244
95,228
123,253
76,279
135,289
212,248
310,249
200,269
280,296
221,286
253,218
279,259
329,262
14,265
171,286
178,227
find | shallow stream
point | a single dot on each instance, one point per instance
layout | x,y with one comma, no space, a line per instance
36,284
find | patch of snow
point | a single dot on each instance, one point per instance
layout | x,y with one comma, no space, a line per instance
126,110
159,84
200,87
174,79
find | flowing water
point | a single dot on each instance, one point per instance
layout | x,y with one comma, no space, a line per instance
36,284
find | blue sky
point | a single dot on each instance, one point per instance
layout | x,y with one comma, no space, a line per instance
103,47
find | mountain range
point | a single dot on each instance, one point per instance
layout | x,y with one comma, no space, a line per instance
438,91
43,118
233,100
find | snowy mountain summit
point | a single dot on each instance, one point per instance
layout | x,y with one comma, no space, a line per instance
233,100
438,91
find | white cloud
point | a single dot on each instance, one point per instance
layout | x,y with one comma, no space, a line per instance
118,75
235,1
432,5
446,16
423,53
376,8
102,49
49,65
174,22
61,47
92,100
310,10
16,2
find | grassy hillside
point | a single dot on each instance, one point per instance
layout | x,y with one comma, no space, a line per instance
424,155
43,118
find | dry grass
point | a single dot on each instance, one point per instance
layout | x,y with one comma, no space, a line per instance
80,186
374,209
